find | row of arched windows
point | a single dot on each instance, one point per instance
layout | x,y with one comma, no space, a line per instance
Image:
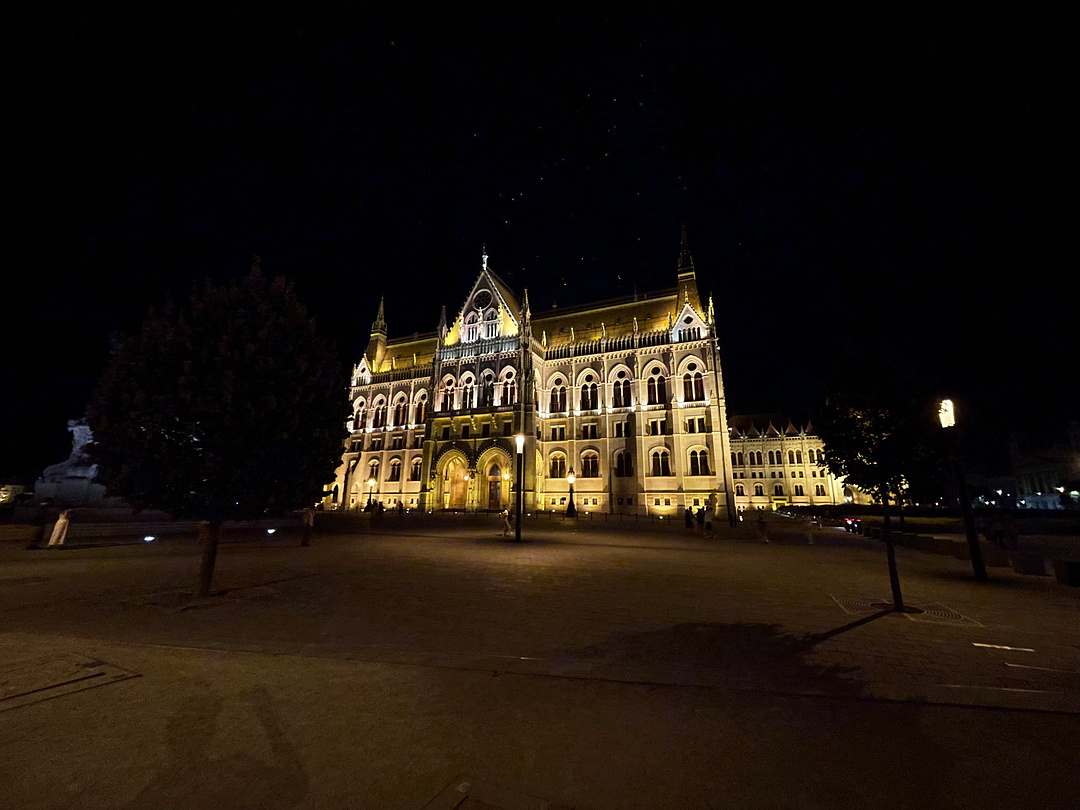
776,457
622,464
394,469
778,490
479,325
398,414
621,392
489,393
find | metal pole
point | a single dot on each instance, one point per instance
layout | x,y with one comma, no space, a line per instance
520,487
978,567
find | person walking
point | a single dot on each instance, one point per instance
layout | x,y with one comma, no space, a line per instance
308,526
701,519
688,517
60,530
507,528
761,526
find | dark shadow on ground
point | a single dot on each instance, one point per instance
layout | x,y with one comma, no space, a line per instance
737,655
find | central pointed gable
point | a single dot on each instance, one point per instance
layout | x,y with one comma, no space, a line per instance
488,292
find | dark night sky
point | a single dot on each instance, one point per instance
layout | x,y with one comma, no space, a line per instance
850,180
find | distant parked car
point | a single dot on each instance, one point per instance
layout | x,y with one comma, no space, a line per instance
853,524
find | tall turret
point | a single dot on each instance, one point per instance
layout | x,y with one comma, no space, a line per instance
376,349
688,291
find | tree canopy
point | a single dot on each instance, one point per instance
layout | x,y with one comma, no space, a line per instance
230,408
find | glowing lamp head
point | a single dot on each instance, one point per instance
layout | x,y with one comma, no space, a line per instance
371,481
570,477
520,440
947,413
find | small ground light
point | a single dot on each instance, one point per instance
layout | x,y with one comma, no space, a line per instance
149,538
271,531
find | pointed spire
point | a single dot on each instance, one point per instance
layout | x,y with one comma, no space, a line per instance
688,291
379,327
526,312
484,256
544,339
603,331
686,261
711,314
670,321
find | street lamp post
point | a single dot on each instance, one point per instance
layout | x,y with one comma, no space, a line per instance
520,486
947,417
370,489
571,509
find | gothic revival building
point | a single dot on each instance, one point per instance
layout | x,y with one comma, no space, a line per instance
624,398
773,468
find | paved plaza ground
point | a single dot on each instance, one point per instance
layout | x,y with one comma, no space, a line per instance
432,664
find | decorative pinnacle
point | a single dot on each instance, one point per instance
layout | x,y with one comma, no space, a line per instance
484,256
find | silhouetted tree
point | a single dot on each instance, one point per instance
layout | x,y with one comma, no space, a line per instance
879,440
228,409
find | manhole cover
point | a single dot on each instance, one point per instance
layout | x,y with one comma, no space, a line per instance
917,611
937,613
53,676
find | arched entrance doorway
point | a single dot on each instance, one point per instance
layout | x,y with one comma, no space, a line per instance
495,487
455,485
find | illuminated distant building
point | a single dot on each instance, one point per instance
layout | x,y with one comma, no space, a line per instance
625,395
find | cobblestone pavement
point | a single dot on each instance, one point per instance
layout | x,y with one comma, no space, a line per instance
586,667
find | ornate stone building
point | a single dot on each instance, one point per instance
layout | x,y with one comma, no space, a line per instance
775,468
625,398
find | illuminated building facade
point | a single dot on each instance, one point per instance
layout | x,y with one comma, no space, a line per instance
773,469
620,402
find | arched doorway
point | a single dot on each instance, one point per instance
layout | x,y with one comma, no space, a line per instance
455,485
495,487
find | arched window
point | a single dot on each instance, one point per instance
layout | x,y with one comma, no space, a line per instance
417,466
734,459
395,470
468,395
699,462
400,408
487,391
588,395
620,392
759,489
771,457
791,456
590,465
491,324
509,392
471,330
740,459
379,417
798,489
661,463
557,466
778,489
358,419
739,489
758,454
558,399
623,466
810,456
798,456
421,409
448,395
373,469
693,387
657,388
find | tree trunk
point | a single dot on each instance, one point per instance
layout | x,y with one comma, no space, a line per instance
209,533
894,576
